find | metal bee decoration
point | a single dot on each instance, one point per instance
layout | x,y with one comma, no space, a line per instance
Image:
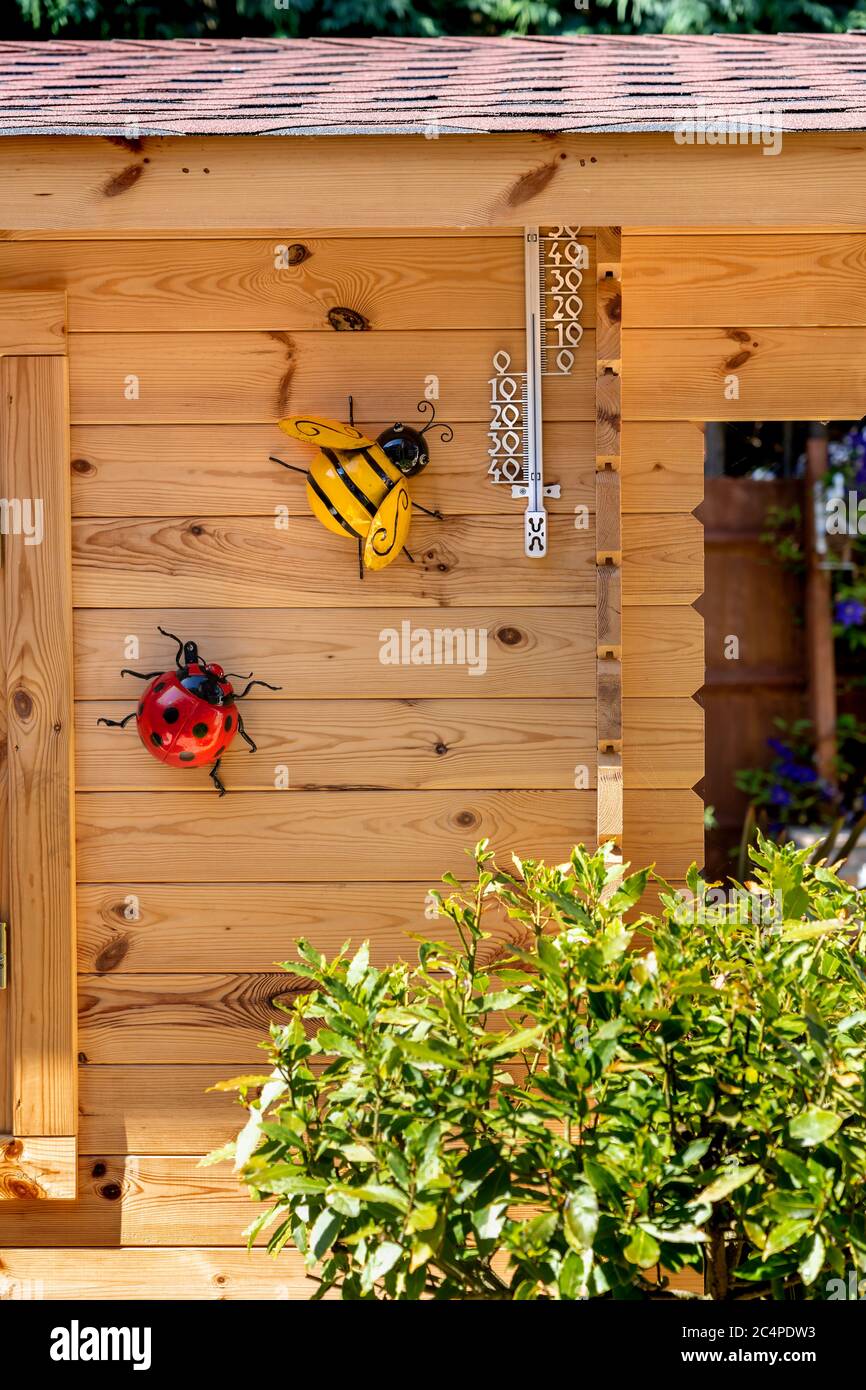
189,717
357,486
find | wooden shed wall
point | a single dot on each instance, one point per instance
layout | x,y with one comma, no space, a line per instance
173,522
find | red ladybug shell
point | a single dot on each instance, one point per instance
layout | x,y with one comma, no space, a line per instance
181,729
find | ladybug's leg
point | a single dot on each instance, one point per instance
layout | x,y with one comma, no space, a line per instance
116,723
244,735
236,676
214,775
248,688
141,675
177,659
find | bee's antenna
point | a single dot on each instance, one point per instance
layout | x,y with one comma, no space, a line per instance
351,411
447,433
273,458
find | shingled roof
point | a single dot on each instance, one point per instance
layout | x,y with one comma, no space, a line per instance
339,86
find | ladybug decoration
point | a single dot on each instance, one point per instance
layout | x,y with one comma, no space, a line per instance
189,717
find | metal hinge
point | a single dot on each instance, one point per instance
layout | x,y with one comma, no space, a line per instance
2,955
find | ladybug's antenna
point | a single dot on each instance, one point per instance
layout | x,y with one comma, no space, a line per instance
447,432
177,660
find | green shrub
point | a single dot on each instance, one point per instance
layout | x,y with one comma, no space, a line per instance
545,1112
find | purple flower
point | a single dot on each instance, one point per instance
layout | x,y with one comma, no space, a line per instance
779,747
850,612
797,772
779,796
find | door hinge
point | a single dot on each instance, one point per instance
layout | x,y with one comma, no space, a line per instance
2,955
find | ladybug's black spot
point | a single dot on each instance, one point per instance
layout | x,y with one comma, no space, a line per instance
158,687
156,740
171,715
141,708
187,757
199,730
229,722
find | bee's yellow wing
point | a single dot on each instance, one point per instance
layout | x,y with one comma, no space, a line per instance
388,529
327,434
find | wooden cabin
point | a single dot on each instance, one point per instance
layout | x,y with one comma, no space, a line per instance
199,239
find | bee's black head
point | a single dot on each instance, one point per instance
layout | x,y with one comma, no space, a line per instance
406,447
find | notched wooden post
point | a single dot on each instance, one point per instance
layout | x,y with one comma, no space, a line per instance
38,1154
608,530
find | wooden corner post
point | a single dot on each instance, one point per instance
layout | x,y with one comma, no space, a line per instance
38,1101
608,534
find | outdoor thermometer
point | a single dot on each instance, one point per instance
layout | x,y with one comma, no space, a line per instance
553,265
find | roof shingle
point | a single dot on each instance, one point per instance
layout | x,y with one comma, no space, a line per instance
339,86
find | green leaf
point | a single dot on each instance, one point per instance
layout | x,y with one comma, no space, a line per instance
814,1126
574,1273
358,968
727,1183
786,1233
642,1250
812,1260
514,1042
325,1230
580,1218
383,1258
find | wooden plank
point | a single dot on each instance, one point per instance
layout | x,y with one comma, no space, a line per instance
609,611
341,744
153,1274
121,470
463,180
665,829
249,928
234,378
714,280
324,653
662,563
662,466
34,448
609,705
780,373
271,282
156,1110
32,322
295,837
255,560
37,1169
610,797
291,837
151,1200
608,518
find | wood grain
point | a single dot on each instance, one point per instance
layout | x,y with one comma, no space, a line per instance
151,1200
783,373
245,561
662,564
662,466
38,650
37,1169
156,1109
166,1275
251,928
121,470
233,378
271,283
718,279
339,744
325,653
612,179
402,836
322,654
31,320
135,470
295,837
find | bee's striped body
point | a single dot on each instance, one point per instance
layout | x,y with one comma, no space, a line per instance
354,489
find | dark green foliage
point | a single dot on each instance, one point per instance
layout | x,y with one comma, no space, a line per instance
292,18
573,1118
